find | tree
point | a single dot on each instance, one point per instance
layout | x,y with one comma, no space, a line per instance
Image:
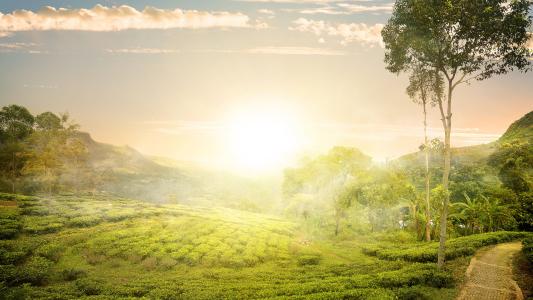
425,88
324,183
462,41
49,148
514,163
16,123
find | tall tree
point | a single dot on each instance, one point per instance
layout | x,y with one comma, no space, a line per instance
425,88
48,148
16,123
462,40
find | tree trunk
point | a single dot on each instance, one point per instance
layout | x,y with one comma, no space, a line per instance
337,221
13,173
426,150
447,122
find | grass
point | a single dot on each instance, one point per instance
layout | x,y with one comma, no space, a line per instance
108,248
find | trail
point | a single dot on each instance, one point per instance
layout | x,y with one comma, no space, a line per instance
489,275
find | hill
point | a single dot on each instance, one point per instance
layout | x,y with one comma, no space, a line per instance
112,248
125,172
522,129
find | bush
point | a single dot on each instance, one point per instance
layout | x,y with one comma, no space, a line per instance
52,251
308,260
528,248
416,274
35,271
10,223
458,247
84,221
73,274
89,287
165,294
8,273
42,225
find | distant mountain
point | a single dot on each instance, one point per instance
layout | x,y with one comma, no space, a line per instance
126,172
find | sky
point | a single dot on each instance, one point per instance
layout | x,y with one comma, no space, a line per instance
225,83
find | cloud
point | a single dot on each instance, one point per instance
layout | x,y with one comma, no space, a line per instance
19,47
356,8
265,11
277,51
346,9
40,86
365,34
294,1
294,51
388,132
116,18
141,51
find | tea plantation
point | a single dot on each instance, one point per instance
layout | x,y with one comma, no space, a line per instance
67,247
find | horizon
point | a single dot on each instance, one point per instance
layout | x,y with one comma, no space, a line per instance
177,89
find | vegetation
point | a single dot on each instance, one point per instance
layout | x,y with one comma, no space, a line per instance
346,227
457,41
136,249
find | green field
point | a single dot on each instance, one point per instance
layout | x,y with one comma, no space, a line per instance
68,247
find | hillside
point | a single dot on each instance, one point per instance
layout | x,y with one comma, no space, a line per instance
86,247
127,173
521,129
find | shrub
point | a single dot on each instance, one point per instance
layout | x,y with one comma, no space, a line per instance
10,223
528,248
52,251
168,262
89,286
458,247
35,271
416,274
42,225
165,293
8,273
84,221
149,263
73,274
308,260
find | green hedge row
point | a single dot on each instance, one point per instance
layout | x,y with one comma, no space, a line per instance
457,247
528,248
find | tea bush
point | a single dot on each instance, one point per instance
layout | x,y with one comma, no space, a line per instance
457,247
528,248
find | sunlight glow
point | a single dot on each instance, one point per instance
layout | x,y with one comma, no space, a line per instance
262,138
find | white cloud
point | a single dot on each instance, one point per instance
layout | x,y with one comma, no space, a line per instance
19,47
277,51
116,18
294,1
265,11
141,51
356,8
294,51
349,32
346,9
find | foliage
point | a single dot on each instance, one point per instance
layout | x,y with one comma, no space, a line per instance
175,251
528,248
462,246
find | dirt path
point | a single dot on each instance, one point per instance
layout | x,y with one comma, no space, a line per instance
490,276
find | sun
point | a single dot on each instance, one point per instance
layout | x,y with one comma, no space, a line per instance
262,138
